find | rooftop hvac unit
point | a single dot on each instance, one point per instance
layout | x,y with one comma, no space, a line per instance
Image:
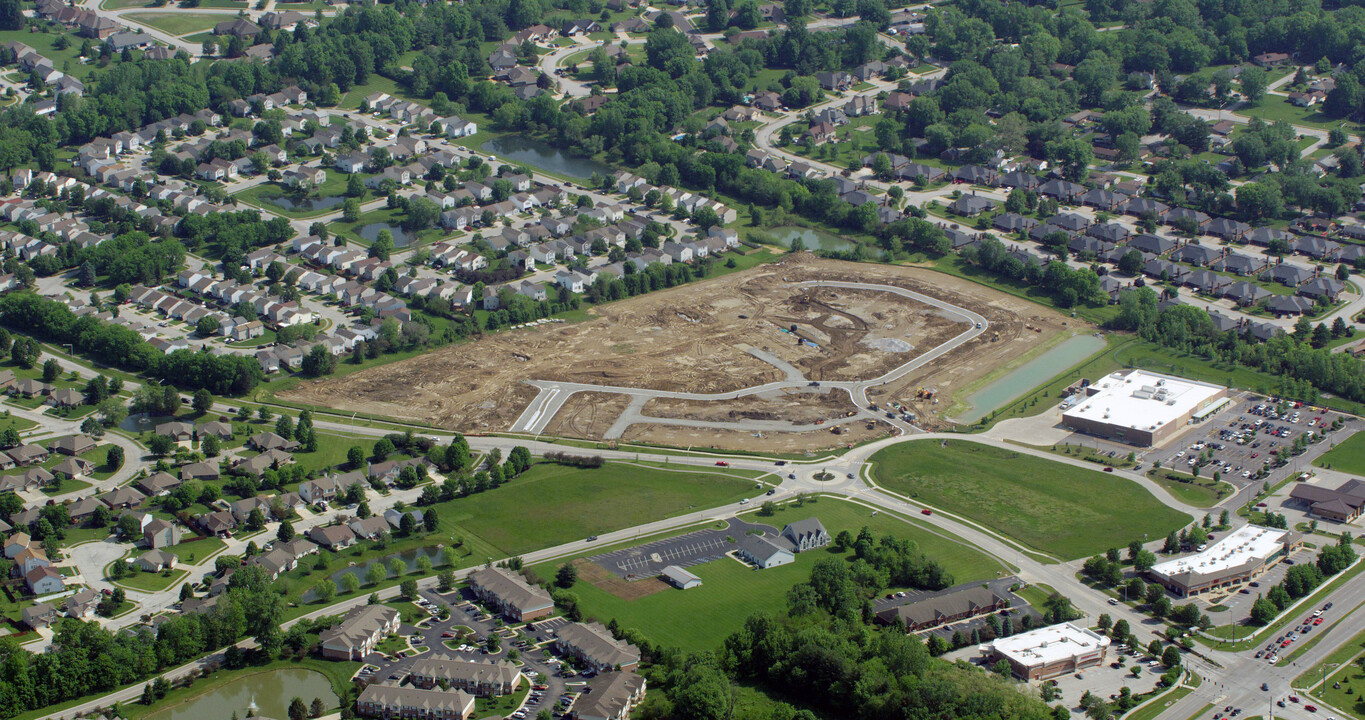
1171,401
1160,383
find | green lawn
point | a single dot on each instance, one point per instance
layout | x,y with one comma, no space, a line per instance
176,23
572,503
67,59
1350,697
497,707
1059,509
731,591
152,582
194,551
1273,108
1348,456
65,485
1199,492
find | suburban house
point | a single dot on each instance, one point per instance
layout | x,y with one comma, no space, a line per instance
159,534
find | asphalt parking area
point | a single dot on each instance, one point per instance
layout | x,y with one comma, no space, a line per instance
695,548
1239,441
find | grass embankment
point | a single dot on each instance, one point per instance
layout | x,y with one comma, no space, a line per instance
1348,456
1196,491
1058,509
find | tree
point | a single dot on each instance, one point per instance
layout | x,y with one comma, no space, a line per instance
430,520
566,576
1170,657
318,362
383,449
285,533
51,370
1253,84
376,573
161,445
317,708
297,710
113,460
202,401
24,352
210,445
355,458
408,588
326,590
350,582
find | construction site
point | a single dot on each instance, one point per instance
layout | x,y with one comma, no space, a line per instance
758,346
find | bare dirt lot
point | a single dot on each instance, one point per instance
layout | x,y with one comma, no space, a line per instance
697,338
614,584
734,440
795,405
587,415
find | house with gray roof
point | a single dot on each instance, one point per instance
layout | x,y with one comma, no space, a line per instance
592,644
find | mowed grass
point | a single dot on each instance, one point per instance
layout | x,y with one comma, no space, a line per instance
701,618
176,23
1348,456
1062,510
553,504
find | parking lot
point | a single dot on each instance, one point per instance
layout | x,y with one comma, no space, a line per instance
1238,600
1105,681
696,548
557,688
1239,443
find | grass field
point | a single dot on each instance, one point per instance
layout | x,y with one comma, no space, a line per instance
1059,509
1199,492
194,551
731,591
152,582
572,503
1348,456
177,23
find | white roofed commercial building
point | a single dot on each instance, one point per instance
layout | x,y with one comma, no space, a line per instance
1240,556
1142,408
1051,651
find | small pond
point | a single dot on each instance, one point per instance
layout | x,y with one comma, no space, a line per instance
409,557
401,237
303,204
812,239
545,156
270,692
1030,375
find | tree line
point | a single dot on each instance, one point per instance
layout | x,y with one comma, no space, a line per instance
1190,330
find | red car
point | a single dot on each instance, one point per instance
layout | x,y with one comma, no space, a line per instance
722,463
1317,621
1310,708
926,511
